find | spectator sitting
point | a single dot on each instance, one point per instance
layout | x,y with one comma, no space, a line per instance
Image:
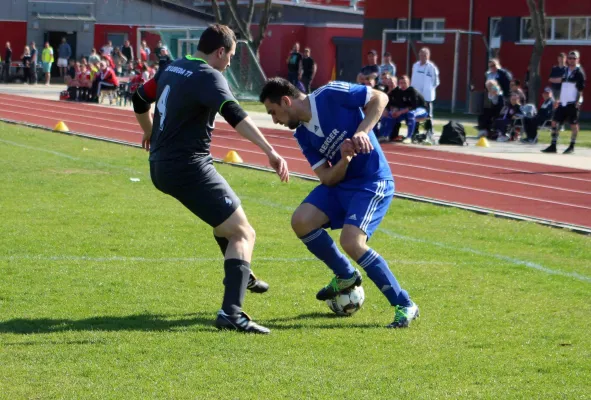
104,79
501,75
382,83
157,49
515,87
547,107
370,80
109,60
508,114
407,105
386,123
84,61
71,72
164,59
84,82
119,59
490,114
94,57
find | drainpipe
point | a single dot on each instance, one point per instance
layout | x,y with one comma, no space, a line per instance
469,74
409,38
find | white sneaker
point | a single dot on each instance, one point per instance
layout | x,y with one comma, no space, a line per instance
503,138
407,141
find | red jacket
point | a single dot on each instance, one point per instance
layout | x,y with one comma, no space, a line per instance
108,76
111,62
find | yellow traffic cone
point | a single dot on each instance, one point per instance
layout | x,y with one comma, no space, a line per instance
61,127
233,157
482,142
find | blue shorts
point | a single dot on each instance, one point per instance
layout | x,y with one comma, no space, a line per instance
47,67
364,207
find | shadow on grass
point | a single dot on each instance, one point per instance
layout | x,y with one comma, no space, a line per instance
138,322
299,322
156,322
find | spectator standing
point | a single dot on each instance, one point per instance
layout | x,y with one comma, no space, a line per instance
47,60
120,60
569,104
425,78
372,64
502,76
387,65
34,60
157,51
164,59
144,51
64,54
558,73
294,65
309,68
26,60
127,50
7,62
107,49
94,58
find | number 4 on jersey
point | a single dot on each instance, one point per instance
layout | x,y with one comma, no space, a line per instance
162,105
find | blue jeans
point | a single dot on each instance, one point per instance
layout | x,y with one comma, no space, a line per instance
410,118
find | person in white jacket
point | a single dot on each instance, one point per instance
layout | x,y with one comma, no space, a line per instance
425,78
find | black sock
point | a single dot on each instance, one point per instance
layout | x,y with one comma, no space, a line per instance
554,135
572,143
223,243
235,282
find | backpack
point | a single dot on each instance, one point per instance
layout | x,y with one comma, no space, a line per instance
453,133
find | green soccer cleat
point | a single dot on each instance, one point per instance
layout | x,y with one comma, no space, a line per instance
338,285
403,316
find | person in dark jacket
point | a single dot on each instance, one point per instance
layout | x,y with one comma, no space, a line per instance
127,50
408,105
508,114
502,76
7,61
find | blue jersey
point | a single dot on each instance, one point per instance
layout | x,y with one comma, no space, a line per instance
336,115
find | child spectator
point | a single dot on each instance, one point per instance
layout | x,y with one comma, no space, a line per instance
104,79
515,86
508,114
84,83
71,73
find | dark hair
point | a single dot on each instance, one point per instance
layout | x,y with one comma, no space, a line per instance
276,88
562,55
517,82
387,54
214,37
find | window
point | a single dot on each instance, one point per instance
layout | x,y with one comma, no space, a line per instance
560,30
432,25
401,23
117,38
495,33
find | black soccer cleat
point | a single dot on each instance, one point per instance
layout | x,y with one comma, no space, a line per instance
550,149
570,150
256,285
240,323
337,286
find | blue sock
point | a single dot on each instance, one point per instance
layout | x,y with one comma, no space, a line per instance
378,271
324,248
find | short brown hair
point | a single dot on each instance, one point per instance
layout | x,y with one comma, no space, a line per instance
276,88
216,36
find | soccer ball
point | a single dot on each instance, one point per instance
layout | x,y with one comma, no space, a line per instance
347,303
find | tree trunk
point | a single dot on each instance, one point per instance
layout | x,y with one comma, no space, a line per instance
263,24
538,18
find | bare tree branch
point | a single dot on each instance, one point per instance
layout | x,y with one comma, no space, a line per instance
216,11
263,24
240,25
249,14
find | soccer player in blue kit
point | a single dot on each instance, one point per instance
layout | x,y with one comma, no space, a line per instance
356,187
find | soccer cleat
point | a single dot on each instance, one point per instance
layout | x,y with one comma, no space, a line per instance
550,149
241,323
403,316
570,150
256,285
338,285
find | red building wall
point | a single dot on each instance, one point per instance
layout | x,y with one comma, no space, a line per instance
14,32
277,47
514,56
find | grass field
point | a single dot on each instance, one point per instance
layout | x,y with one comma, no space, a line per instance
109,289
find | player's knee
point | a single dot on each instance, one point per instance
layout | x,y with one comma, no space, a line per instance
300,223
352,244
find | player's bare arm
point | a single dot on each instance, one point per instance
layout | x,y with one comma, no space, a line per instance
373,111
141,105
332,176
249,130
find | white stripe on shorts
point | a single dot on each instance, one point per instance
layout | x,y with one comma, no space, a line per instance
373,205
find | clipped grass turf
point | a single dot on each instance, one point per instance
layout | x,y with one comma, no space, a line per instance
109,289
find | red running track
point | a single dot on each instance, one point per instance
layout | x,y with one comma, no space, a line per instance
556,194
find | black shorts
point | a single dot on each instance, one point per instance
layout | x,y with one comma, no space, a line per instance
199,187
569,113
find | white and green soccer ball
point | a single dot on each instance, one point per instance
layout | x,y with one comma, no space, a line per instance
347,303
